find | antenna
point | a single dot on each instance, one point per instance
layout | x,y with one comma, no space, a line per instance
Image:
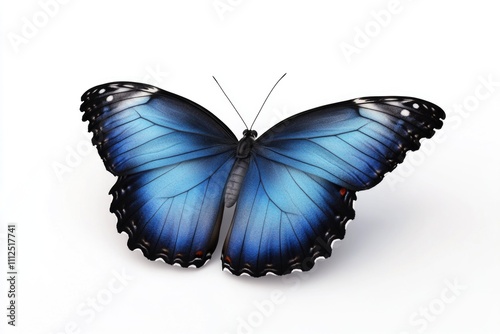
230,102
260,107
266,100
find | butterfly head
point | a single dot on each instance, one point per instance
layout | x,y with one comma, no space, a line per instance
250,133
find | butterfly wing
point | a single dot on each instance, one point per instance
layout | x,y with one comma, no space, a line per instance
298,193
172,158
284,219
352,143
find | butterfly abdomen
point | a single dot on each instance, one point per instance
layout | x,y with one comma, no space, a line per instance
235,181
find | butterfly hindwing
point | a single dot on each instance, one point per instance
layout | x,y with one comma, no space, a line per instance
284,220
174,212
172,158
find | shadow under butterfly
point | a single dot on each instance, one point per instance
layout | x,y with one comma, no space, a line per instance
178,165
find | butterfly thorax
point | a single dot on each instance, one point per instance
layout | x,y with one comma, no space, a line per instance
245,144
240,167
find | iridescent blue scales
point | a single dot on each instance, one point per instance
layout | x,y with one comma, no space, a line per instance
178,165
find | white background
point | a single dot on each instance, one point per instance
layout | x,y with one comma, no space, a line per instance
422,255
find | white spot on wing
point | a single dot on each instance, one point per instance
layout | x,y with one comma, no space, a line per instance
102,90
415,105
405,113
109,98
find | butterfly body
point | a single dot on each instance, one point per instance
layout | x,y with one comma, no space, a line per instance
240,167
178,166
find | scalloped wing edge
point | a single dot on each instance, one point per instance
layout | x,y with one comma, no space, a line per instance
320,250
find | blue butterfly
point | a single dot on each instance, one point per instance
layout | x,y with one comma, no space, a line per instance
178,165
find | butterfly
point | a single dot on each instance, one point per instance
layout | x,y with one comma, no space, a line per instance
178,166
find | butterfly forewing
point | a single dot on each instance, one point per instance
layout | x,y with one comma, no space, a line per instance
353,143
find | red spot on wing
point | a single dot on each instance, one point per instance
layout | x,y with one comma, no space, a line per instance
199,253
343,191
227,259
